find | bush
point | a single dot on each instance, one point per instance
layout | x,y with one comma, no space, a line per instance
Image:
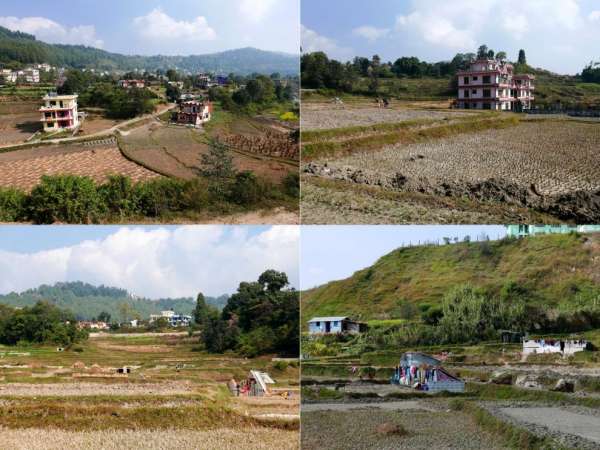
367,372
12,205
117,195
65,198
157,197
280,365
246,189
291,184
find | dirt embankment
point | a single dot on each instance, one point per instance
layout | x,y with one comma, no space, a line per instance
579,206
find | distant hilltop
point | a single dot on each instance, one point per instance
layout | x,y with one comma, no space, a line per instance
86,301
22,48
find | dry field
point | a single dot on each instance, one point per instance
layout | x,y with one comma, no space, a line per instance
177,151
319,116
170,400
532,153
410,165
19,120
24,168
372,428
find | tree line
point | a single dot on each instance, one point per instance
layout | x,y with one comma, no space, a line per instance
42,323
262,317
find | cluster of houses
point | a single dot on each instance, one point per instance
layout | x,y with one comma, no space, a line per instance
28,75
173,319
492,84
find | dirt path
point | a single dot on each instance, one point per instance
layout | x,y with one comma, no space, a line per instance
387,406
558,420
278,216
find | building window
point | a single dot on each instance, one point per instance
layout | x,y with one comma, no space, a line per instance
466,80
474,91
318,324
487,106
475,78
486,79
466,93
487,93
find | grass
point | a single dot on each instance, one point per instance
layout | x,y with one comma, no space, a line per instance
551,266
328,149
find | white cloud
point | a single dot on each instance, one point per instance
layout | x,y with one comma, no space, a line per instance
162,262
463,24
437,30
314,42
52,32
594,16
256,10
157,25
371,33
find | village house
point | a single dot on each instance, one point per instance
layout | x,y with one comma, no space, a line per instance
335,325
519,231
565,347
174,320
92,325
177,84
32,76
194,113
491,84
9,76
59,112
128,84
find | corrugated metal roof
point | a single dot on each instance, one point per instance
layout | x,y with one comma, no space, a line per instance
327,319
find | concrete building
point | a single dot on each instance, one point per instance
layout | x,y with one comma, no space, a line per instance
32,76
175,320
59,112
565,347
532,230
194,113
128,84
491,84
335,325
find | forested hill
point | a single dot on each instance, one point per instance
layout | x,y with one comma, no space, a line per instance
549,270
87,301
22,48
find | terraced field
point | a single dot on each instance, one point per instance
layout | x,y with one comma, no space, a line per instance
173,399
448,166
25,168
18,121
177,151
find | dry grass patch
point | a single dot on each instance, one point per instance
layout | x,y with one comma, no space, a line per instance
219,439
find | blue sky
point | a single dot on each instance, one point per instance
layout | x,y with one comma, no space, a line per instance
335,252
559,35
152,261
160,26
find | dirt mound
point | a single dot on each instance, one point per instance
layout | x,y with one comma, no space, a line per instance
579,206
388,428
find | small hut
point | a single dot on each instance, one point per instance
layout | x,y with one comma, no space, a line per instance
256,385
425,373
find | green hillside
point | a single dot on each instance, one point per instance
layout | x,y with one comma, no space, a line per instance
551,270
87,301
21,48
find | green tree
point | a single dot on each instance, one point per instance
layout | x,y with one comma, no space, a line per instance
522,58
217,167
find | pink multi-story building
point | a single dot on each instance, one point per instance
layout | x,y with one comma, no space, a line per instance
59,112
491,84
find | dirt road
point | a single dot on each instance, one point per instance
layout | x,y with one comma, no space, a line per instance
558,420
387,406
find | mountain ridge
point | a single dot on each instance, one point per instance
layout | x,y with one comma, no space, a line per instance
23,48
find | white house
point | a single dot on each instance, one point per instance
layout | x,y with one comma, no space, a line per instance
59,112
334,325
566,347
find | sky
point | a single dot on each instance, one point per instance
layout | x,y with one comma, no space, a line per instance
330,253
153,261
169,27
557,35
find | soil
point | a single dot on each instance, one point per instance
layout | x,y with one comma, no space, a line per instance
18,121
24,168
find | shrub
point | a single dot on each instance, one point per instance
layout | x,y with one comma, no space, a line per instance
65,198
367,372
280,365
157,197
12,205
291,184
117,195
246,190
